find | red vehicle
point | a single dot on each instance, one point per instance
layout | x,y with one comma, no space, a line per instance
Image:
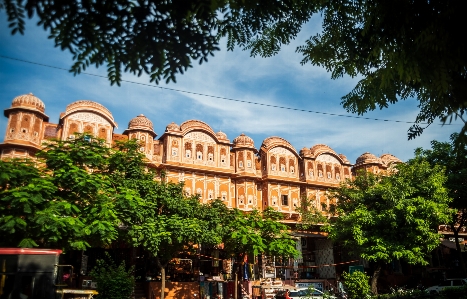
29,273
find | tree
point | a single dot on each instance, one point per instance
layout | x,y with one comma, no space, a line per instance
159,38
255,232
86,198
63,199
155,215
174,223
311,216
23,192
453,157
390,217
401,49
258,232
80,193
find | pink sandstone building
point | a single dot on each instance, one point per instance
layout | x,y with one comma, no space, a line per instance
242,175
274,175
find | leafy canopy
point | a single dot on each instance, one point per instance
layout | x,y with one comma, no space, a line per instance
404,50
384,218
160,38
23,192
453,157
64,198
258,232
81,193
311,215
400,49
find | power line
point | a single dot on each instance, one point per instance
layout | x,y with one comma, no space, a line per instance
216,97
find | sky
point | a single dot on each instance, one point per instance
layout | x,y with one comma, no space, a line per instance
279,80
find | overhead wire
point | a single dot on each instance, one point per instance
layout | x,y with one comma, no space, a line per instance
213,96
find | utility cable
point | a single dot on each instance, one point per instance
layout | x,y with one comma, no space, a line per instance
217,97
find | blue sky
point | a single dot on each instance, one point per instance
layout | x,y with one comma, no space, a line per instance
278,80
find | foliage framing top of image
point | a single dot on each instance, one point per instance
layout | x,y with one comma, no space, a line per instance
401,49
159,38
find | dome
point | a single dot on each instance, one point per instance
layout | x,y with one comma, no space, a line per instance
172,127
221,136
318,149
28,101
305,151
140,122
243,141
196,125
277,142
86,105
344,158
368,158
389,159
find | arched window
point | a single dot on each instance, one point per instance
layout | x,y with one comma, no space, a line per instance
292,165
188,150
210,153
273,163
320,170
223,156
199,192
337,173
102,133
282,163
199,151
89,129
240,159
72,129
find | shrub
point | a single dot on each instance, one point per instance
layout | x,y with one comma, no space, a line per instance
406,294
113,282
454,293
447,293
356,285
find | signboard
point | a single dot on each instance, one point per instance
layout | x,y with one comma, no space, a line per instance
352,269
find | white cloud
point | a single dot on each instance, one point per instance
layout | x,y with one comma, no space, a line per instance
279,80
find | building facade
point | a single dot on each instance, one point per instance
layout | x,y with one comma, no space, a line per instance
243,176
210,164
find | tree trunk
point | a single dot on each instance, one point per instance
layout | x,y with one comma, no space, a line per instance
236,286
162,269
374,280
459,251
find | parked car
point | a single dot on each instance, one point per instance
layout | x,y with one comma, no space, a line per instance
302,293
452,282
